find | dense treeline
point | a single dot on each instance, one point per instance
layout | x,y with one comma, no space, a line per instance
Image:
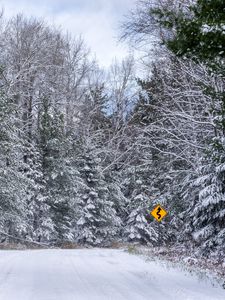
62,137
85,154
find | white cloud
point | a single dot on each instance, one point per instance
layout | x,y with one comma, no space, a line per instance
97,21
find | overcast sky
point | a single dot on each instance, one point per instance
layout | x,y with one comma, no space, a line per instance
96,20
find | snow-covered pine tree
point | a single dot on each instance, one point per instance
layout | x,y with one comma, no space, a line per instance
114,183
12,181
206,215
58,176
137,228
98,223
41,227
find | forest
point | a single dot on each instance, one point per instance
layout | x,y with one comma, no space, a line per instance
87,153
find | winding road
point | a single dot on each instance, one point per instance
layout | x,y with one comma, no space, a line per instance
97,274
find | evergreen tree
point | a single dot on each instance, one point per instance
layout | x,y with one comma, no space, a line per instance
199,31
59,173
114,182
12,182
41,227
98,223
137,227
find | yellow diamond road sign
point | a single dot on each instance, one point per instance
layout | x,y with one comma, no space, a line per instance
158,213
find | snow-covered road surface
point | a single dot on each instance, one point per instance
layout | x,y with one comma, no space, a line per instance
95,274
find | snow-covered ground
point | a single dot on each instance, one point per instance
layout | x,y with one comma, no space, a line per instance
95,274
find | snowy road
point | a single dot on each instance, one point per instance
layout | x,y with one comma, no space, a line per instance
94,274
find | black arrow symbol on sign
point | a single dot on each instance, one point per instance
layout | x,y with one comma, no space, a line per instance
158,213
